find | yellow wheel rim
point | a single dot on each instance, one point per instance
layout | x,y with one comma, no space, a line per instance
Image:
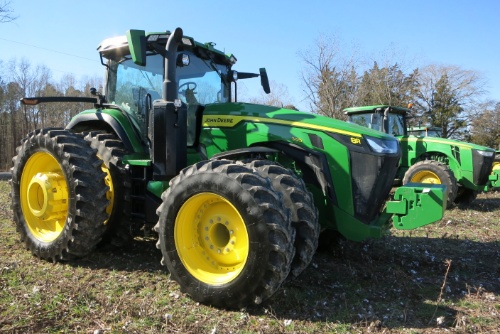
44,196
496,165
211,239
426,176
110,194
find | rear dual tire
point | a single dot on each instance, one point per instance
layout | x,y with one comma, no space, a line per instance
58,194
110,150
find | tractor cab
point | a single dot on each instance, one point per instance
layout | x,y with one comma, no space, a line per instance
139,68
388,119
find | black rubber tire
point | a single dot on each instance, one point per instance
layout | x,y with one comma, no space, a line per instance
303,211
442,171
110,150
268,226
86,192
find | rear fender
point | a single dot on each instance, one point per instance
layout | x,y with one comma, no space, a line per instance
417,205
108,120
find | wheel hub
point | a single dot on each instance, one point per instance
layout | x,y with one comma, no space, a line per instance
217,236
44,196
47,196
211,238
426,177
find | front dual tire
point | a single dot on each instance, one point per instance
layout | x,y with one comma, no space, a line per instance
225,234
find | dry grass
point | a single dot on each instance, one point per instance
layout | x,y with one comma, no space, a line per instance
442,278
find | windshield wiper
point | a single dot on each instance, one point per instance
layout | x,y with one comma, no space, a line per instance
211,64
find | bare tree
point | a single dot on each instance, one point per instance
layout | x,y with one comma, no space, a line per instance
30,82
68,85
278,97
329,77
485,128
6,13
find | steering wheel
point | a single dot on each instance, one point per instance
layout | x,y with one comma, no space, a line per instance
188,84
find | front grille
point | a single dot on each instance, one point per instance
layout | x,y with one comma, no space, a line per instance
482,167
372,179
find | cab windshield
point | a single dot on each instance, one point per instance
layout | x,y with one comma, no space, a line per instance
394,124
425,132
130,86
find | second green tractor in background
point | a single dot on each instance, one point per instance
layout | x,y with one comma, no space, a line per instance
465,168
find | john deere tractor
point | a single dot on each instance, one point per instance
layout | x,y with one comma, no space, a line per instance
238,193
465,168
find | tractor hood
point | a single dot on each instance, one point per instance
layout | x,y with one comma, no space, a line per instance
446,141
230,114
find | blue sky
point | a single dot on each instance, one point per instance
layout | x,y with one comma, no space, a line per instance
64,35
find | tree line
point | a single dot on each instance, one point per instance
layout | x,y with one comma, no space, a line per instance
336,77
445,96
18,79
333,77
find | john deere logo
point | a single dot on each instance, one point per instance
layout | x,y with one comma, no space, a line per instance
219,120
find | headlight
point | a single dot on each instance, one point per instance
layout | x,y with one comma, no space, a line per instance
383,145
487,154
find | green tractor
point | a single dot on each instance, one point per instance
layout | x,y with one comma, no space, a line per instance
465,168
238,193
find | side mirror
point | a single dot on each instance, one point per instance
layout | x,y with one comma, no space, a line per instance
137,45
264,81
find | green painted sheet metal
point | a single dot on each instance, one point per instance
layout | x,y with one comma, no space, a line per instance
124,122
355,230
416,205
157,187
228,115
494,178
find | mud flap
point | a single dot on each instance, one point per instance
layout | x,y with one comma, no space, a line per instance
417,204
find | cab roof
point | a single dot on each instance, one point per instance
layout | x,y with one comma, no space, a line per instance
117,47
376,108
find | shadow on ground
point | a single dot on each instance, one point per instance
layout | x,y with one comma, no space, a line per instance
392,282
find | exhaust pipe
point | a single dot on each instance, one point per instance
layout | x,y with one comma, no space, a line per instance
170,84
168,122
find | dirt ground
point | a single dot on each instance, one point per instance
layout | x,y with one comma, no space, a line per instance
439,279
